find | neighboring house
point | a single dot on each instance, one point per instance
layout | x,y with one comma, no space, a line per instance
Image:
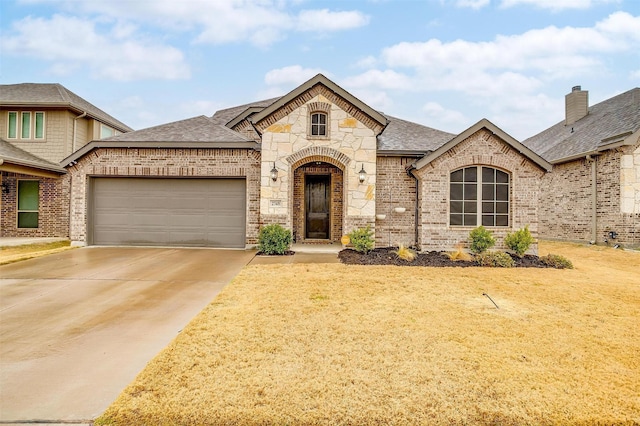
40,124
593,192
318,161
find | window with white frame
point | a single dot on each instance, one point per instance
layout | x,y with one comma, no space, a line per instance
479,195
28,203
318,124
25,125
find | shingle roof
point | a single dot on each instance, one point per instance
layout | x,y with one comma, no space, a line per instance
224,116
10,153
402,135
615,116
54,95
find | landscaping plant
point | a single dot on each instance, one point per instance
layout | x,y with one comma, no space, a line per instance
405,253
519,241
557,261
496,259
274,239
459,254
362,239
481,240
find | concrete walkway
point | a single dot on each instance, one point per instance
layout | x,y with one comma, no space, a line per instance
11,242
304,253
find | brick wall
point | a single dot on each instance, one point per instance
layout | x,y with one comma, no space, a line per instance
481,148
53,217
176,163
395,188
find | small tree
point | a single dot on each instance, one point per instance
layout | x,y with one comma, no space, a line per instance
481,240
362,239
519,241
274,239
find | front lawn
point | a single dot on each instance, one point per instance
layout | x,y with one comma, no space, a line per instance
340,344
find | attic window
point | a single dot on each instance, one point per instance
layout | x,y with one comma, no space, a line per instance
318,124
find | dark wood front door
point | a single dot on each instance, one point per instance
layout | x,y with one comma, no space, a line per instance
317,190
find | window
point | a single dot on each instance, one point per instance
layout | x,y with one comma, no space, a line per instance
479,196
30,125
318,124
28,196
106,131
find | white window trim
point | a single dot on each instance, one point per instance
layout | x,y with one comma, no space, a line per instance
327,125
18,211
33,117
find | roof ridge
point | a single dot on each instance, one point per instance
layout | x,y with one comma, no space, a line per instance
63,92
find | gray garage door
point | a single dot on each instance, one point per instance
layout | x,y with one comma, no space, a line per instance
168,212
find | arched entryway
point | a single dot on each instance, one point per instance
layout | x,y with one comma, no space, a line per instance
318,188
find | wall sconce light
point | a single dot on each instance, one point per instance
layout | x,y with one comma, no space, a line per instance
362,175
274,173
5,188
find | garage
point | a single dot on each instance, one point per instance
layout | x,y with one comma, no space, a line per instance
168,212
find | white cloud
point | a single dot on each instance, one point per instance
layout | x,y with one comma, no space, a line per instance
556,5
447,117
71,43
387,79
326,21
472,4
291,76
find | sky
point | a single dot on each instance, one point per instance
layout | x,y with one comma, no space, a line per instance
445,64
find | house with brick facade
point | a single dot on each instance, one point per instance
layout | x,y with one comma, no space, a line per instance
593,192
40,125
318,161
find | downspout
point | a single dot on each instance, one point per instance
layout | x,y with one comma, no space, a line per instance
410,170
75,130
594,199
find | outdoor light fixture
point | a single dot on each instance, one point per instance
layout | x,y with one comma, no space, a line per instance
362,174
274,173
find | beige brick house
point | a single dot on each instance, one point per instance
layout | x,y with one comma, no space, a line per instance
41,124
318,161
593,192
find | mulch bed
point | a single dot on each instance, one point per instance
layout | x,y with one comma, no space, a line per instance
385,256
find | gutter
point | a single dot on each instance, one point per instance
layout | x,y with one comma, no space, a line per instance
410,170
594,197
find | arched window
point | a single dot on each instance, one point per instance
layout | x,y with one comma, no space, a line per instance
319,124
479,195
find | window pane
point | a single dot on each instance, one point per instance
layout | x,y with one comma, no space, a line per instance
471,174
470,220
502,177
487,207
470,191
455,220
315,118
39,125
502,208
13,125
27,195
26,125
470,207
323,118
488,192
456,191
488,175
502,192
487,220
457,176
456,207
27,219
502,220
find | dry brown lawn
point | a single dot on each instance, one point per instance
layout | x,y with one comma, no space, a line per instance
362,345
14,254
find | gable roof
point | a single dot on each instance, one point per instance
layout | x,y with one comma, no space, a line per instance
225,117
608,124
196,132
25,162
320,79
484,124
54,95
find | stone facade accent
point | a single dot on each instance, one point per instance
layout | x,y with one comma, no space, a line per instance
481,148
395,188
171,163
53,217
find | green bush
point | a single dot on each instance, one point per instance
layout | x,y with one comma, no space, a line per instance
495,259
519,241
274,239
362,239
557,261
481,240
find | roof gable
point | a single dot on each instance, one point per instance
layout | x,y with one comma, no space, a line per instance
11,155
284,105
484,124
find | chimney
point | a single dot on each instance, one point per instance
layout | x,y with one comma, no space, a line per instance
576,105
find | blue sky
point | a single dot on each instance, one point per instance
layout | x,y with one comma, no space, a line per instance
443,63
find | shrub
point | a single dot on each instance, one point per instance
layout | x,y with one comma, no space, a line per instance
405,253
274,239
459,254
362,239
481,240
496,259
557,261
519,241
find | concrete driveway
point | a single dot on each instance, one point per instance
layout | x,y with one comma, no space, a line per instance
76,327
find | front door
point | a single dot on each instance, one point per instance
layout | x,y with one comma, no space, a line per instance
317,190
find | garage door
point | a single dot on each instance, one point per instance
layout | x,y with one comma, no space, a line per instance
168,212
